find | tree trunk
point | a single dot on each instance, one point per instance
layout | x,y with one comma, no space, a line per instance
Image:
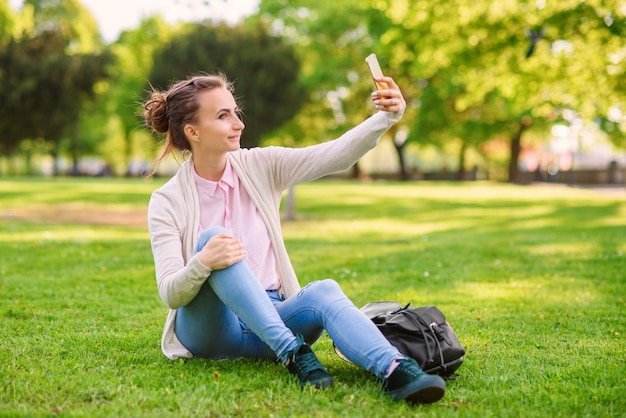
516,148
462,151
128,151
290,204
75,160
55,159
404,175
399,139
28,162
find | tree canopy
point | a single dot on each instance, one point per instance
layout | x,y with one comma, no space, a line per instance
473,73
45,80
43,88
263,68
483,70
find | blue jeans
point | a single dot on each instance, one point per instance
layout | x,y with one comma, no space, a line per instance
233,316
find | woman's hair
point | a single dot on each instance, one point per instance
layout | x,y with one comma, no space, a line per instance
167,112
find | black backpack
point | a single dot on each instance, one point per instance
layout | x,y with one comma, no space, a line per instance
420,333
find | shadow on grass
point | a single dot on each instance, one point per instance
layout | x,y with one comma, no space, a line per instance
439,243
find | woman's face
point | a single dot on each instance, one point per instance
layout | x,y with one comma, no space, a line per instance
218,126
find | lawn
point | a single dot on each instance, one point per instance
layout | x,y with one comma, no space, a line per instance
533,279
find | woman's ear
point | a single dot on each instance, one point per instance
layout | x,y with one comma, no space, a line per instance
191,133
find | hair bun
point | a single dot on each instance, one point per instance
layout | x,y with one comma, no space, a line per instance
155,112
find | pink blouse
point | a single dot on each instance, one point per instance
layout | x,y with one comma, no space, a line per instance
227,204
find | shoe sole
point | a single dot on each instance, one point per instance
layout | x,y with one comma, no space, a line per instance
318,384
419,394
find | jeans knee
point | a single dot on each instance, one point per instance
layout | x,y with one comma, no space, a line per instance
330,286
327,289
209,233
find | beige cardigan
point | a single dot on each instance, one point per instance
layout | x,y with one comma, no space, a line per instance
174,215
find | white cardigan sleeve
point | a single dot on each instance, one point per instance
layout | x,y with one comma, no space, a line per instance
297,165
178,280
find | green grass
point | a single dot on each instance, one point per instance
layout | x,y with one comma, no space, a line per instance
533,279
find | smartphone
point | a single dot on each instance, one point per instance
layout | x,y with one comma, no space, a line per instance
372,63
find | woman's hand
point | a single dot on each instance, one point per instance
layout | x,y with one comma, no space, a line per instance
389,99
221,251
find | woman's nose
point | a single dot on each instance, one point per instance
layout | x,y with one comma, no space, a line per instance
239,124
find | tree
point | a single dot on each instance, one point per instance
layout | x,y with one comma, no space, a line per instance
43,89
263,68
133,58
44,85
13,25
332,38
484,69
7,17
72,20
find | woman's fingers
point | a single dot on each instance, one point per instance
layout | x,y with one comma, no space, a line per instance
222,251
390,99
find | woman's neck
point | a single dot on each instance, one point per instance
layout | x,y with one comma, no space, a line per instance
210,169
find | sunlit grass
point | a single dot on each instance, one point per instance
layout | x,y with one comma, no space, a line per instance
64,234
75,192
532,279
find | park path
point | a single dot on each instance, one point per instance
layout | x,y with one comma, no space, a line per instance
137,217
92,215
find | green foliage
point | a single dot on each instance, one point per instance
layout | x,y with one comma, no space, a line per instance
470,70
332,38
72,20
118,105
531,279
47,77
480,70
7,17
14,23
263,68
43,88
134,52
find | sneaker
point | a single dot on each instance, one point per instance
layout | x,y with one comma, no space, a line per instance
303,363
408,382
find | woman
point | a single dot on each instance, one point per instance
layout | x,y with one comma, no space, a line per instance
221,264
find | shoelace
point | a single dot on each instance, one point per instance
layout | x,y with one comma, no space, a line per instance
307,363
405,367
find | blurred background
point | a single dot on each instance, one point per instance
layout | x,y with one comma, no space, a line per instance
508,90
